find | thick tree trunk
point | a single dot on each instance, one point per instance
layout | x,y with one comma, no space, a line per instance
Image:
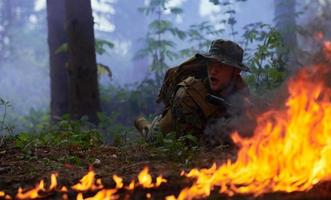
57,61
285,18
84,92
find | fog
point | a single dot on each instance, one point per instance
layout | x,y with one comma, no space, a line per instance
24,71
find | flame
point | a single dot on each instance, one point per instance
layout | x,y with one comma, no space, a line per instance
88,183
159,181
64,189
327,49
131,185
33,193
145,179
53,182
119,181
289,151
3,195
105,194
80,196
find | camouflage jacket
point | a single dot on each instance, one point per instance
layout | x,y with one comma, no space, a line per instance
190,110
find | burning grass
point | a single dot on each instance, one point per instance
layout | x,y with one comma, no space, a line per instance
289,152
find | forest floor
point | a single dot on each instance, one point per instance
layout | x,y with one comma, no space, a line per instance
24,169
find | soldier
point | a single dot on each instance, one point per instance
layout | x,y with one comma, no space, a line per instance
196,103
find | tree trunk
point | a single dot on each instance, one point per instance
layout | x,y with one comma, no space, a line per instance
57,61
285,18
83,80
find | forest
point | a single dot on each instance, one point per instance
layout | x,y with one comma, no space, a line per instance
76,75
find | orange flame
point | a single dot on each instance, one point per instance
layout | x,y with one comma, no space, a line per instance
53,182
145,179
33,193
131,185
105,194
64,189
88,183
3,195
327,49
290,150
119,181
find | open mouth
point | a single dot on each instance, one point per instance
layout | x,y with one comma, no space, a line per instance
213,80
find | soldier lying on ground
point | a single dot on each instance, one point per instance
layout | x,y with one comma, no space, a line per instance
205,105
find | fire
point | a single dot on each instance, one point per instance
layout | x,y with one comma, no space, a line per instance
145,179
88,183
327,49
105,194
33,193
53,182
290,150
119,181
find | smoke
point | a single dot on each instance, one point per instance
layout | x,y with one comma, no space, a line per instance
24,86
245,111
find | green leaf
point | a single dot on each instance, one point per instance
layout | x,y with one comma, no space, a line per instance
101,45
176,11
62,49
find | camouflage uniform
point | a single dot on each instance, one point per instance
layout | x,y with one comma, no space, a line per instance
189,110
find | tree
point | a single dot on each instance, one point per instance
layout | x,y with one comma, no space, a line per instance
157,42
83,81
285,17
227,14
266,59
57,60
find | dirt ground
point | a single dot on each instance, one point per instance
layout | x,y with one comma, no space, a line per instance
25,169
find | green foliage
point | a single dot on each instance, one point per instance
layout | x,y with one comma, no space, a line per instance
228,9
129,101
4,127
100,47
177,149
199,36
266,61
62,49
158,45
113,131
64,134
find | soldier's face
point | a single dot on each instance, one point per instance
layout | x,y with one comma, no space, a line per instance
219,75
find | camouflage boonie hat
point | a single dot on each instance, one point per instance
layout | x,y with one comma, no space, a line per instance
226,52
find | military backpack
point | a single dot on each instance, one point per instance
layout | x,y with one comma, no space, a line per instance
195,67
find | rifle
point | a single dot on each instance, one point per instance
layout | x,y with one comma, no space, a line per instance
219,101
